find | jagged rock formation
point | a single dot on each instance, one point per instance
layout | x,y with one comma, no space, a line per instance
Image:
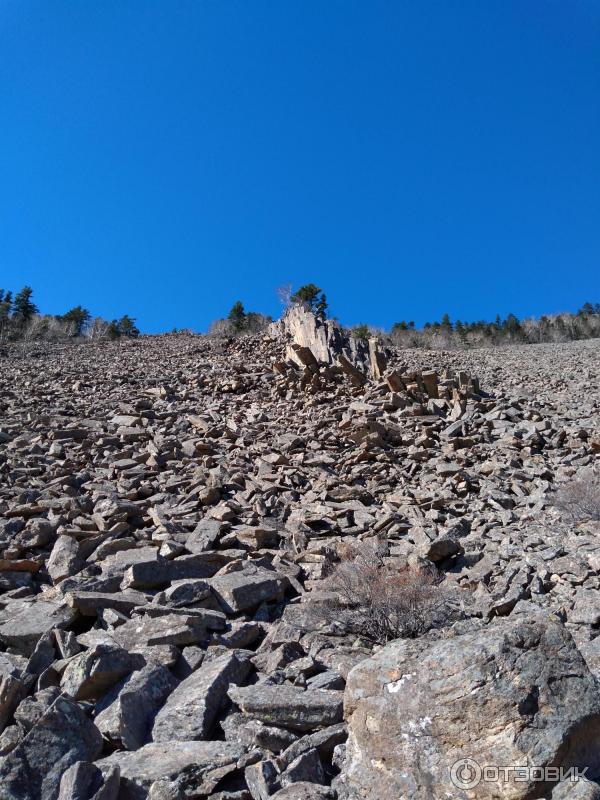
170,511
327,342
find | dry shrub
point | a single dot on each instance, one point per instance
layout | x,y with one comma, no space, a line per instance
381,599
580,499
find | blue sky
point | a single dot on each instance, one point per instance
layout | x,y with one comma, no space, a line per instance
166,159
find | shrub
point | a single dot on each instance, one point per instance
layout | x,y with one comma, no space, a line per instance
580,499
382,599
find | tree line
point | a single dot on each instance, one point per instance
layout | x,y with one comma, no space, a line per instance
21,319
583,324
442,334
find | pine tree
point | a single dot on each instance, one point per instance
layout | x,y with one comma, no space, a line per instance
126,326
237,316
79,318
23,307
312,297
361,331
511,325
446,323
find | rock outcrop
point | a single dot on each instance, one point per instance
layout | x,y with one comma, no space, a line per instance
311,339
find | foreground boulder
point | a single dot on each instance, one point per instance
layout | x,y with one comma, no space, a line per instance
124,715
23,622
191,709
11,690
173,770
516,692
91,673
61,737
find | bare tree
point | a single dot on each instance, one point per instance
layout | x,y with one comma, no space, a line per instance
284,294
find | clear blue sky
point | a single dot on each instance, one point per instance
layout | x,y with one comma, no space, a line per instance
412,158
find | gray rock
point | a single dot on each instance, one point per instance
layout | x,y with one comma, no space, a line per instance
248,588
62,736
307,791
516,691
91,673
204,536
11,690
581,789
168,629
307,767
289,707
22,622
191,709
84,781
31,709
65,559
262,779
324,742
179,770
149,574
90,604
124,715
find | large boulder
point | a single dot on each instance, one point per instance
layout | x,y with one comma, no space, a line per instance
11,689
124,715
23,622
288,706
174,769
191,709
60,738
90,674
516,692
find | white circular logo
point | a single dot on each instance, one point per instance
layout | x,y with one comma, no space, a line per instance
465,773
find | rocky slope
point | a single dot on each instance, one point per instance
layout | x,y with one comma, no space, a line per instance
170,511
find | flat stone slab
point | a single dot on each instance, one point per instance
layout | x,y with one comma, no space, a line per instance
191,768
22,622
289,707
190,710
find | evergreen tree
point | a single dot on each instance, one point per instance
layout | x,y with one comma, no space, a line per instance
361,331
445,323
400,326
23,307
237,317
511,325
79,318
125,326
312,297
